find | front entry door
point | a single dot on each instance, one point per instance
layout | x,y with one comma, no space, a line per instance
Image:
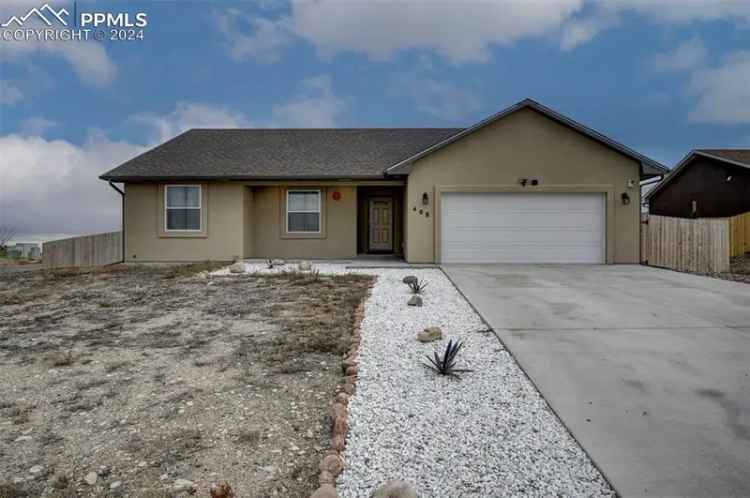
381,224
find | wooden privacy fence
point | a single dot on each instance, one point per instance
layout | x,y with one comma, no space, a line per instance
739,234
89,250
697,245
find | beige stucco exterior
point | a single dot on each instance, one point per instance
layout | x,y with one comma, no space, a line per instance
238,220
220,238
524,144
247,220
338,237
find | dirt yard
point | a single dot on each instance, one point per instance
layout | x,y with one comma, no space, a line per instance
136,378
740,270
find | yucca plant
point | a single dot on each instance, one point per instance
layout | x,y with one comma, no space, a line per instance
446,364
417,287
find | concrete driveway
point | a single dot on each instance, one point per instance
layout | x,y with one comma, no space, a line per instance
648,368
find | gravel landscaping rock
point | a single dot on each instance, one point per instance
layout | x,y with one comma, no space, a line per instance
489,434
415,301
430,334
394,489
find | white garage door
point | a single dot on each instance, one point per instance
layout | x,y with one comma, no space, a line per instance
522,228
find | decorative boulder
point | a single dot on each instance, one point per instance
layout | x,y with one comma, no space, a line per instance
183,486
237,268
430,334
394,489
409,279
415,300
332,464
221,490
325,491
305,266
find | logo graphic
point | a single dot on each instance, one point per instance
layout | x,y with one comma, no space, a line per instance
52,13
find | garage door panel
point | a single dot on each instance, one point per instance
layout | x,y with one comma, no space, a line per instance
522,228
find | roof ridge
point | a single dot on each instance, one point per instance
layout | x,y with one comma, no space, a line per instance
428,128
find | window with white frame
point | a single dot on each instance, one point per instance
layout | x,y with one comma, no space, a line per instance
182,205
303,211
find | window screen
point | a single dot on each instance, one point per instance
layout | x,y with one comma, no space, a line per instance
303,211
183,207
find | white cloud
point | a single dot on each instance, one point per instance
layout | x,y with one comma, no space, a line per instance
315,107
9,93
36,126
188,115
437,98
459,31
606,15
53,184
687,55
89,59
266,40
583,30
722,92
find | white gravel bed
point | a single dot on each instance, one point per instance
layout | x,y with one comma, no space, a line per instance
488,434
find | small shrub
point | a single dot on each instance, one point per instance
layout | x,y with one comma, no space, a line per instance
62,359
446,364
269,264
417,287
248,436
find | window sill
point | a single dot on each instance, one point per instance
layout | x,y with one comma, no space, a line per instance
302,235
183,235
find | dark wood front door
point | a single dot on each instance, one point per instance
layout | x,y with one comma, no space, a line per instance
381,224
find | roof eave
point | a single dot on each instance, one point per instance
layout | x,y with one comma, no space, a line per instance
132,178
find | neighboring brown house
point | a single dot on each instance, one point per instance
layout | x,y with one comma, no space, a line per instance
526,185
707,183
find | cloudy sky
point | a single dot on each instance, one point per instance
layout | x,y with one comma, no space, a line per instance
660,76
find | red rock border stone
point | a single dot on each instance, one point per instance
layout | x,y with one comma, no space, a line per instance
333,463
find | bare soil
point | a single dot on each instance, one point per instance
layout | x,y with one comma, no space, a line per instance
146,375
739,270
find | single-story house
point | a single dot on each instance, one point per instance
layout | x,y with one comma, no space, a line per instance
526,185
707,183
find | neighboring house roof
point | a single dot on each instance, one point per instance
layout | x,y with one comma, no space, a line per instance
268,154
737,157
649,167
740,157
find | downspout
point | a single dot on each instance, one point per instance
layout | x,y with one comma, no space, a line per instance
122,221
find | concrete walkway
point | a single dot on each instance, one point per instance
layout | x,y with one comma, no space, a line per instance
648,368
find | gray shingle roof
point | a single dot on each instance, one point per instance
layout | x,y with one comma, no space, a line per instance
278,153
734,155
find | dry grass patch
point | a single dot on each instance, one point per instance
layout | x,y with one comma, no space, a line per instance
149,374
